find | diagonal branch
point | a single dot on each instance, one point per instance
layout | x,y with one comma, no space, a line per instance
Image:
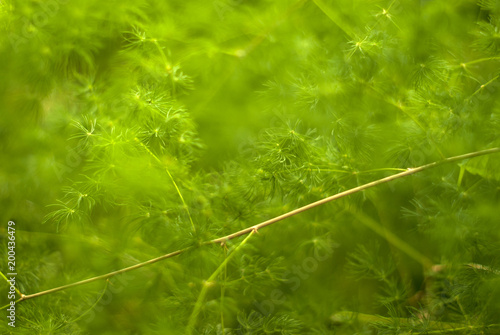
256,227
105,276
408,172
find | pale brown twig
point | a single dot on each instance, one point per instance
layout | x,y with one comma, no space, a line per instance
256,227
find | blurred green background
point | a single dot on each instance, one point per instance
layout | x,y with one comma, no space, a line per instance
110,111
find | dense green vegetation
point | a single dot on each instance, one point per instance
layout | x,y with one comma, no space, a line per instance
132,129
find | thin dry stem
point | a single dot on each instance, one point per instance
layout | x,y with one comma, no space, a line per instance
256,227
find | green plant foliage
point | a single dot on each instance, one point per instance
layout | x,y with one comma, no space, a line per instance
132,129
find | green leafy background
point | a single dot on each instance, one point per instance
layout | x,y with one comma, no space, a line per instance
130,129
